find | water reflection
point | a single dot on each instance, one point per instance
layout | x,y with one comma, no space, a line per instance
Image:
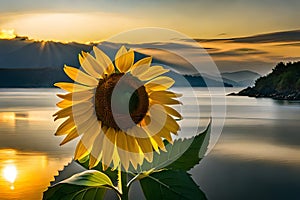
259,150
25,175
7,119
10,173
260,141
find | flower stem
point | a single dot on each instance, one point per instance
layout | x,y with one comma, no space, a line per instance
122,184
124,195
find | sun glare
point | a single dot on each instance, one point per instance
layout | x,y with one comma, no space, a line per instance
10,173
7,34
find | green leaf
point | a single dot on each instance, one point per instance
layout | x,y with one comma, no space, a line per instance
69,170
113,175
194,153
74,192
90,178
171,185
89,184
183,154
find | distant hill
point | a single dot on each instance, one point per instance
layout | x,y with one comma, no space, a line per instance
23,53
196,80
243,78
27,63
31,77
46,77
282,83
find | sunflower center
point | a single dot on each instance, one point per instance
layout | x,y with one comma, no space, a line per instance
130,97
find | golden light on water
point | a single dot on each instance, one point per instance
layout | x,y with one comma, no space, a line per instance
7,116
25,175
10,174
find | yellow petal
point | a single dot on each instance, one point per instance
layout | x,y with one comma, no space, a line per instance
132,144
116,158
93,139
77,96
64,103
133,150
158,118
152,72
172,125
139,70
123,149
81,151
173,112
76,109
81,118
88,121
104,60
159,142
108,147
87,66
163,100
65,127
146,147
139,132
154,144
145,121
165,133
72,135
80,77
95,64
72,87
124,59
97,151
146,62
145,144
165,94
160,83
65,112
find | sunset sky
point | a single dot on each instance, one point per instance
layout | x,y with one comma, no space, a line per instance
85,21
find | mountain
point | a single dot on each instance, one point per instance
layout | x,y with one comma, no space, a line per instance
195,80
27,63
282,83
24,53
243,78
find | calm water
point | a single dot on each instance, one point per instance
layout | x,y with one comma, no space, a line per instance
256,157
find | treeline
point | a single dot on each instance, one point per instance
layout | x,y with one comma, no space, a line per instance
282,83
284,77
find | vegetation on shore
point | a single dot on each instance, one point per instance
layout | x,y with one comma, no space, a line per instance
282,83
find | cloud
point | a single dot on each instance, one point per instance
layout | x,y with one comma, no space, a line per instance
292,44
261,67
282,36
238,52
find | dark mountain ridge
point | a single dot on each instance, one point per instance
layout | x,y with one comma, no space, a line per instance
27,63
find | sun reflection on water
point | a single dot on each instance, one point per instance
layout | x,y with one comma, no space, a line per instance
10,174
25,175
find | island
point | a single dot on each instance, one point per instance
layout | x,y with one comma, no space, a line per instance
283,83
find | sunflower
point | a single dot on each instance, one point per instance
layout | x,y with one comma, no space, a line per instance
121,110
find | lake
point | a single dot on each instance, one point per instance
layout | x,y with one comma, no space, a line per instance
257,155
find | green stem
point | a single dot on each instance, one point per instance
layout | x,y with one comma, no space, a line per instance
124,195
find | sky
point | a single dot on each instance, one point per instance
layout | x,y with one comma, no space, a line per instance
97,20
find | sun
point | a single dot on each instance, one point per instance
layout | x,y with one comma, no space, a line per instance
7,34
10,173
